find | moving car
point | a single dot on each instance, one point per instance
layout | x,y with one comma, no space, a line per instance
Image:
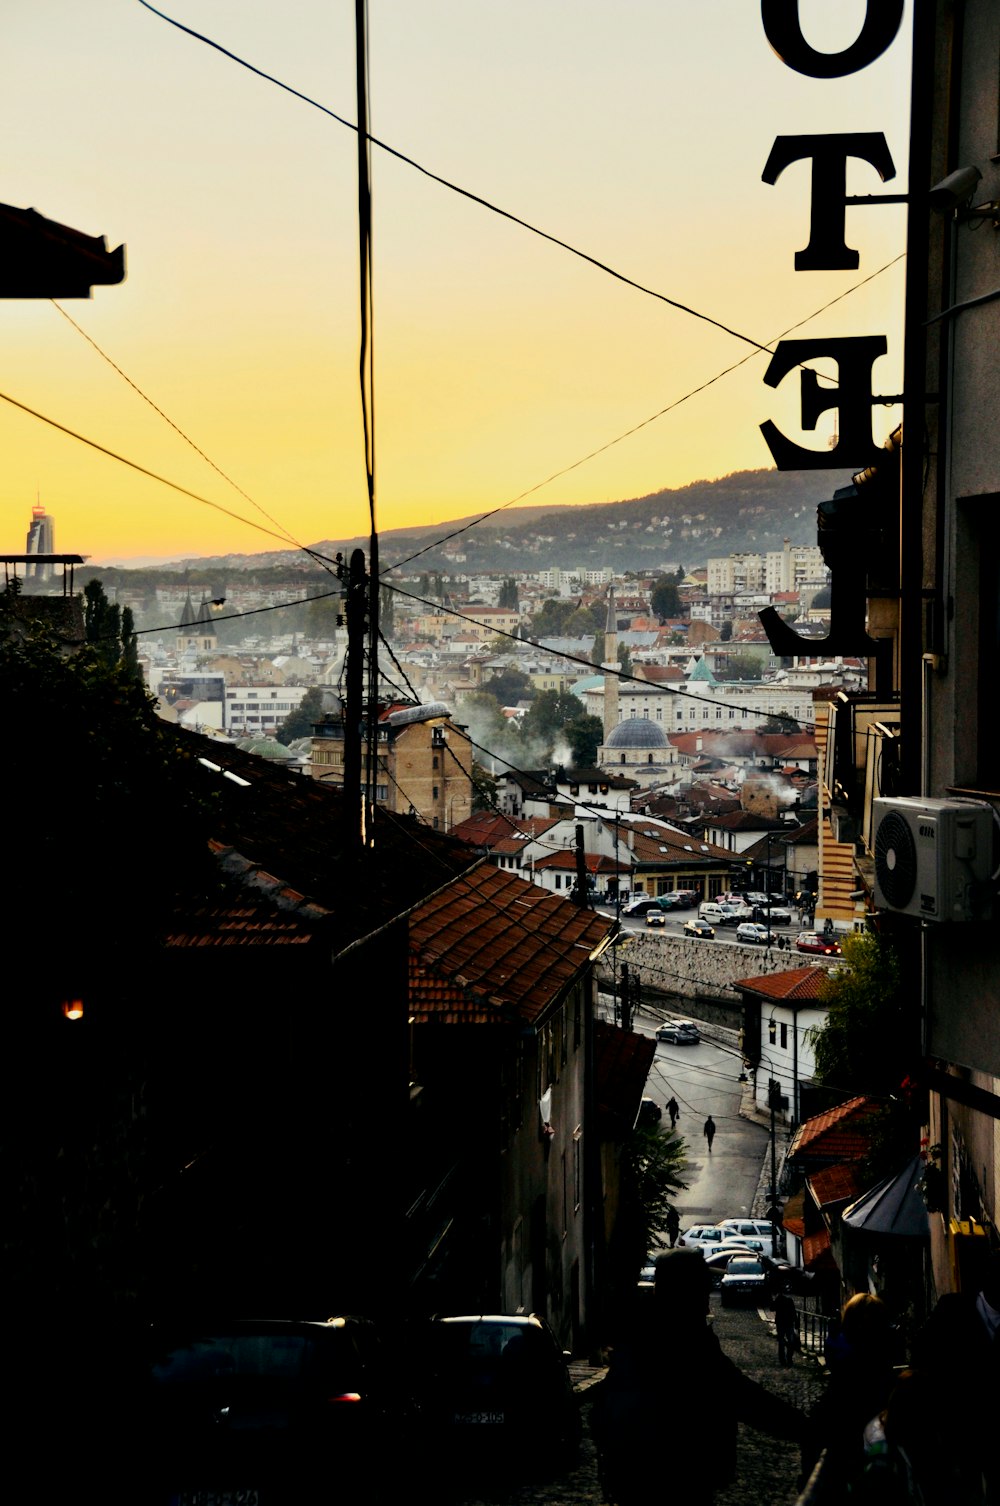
679,1032
812,941
271,1409
744,1281
754,933
699,929
642,906
775,915
496,1385
656,917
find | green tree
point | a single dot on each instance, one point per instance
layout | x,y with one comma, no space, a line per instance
597,652
869,1046
653,1168
387,610
725,632
547,716
300,722
509,686
509,597
584,736
110,630
624,659
665,599
484,788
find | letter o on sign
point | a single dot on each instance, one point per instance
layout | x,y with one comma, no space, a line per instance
784,32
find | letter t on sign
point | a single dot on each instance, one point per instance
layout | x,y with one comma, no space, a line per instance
827,250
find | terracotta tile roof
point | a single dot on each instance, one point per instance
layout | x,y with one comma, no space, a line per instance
835,1184
836,1135
595,862
508,945
622,1060
238,925
665,848
816,1251
799,984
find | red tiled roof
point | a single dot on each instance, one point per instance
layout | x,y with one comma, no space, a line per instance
836,1135
798,984
595,862
816,1251
507,946
238,925
835,1184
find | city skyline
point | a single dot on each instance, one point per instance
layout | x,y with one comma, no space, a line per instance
501,359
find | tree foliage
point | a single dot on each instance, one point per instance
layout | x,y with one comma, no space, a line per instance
509,595
870,1037
110,630
300,722
508,687
548,715
654,1165
665,599
584,736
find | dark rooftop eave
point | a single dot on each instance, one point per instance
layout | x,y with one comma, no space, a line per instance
40,258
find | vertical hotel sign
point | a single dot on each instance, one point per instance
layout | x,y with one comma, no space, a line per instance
827,249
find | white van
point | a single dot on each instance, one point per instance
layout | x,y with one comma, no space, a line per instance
715,913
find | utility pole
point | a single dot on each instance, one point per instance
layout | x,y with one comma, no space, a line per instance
356,613
581,896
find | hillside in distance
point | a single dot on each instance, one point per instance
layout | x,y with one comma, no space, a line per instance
748,511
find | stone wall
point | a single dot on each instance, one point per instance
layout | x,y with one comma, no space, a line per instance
690,969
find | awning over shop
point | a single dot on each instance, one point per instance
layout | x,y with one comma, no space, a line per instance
894,1206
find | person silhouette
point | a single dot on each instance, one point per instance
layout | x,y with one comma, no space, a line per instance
673,1109
709,1132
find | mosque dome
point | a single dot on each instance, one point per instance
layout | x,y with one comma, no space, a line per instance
638,732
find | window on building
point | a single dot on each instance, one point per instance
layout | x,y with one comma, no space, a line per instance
784,1037
434,792
436,823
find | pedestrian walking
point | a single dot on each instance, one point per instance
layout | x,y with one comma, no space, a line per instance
673,1225
709,1132
673,1109
787,1324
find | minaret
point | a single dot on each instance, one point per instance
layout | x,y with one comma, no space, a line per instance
611,662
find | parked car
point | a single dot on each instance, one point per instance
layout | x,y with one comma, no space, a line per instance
699,929
679,1032
744,1281
271,1409
755,1228
702,1237
812,941
656,917
686,898
755,1243
649,1112
753,933
496,1385
717,1262
669,901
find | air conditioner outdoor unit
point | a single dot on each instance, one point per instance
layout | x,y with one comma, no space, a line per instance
933,858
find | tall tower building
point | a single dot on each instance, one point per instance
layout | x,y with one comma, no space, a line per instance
611,662
41,540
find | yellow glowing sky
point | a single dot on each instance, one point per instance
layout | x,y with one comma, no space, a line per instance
636,132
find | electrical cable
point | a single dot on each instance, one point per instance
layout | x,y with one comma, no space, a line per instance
454,187
569,658
635,429
176,427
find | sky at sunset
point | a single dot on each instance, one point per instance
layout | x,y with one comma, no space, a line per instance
636,132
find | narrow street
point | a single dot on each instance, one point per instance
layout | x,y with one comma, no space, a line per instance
704,1078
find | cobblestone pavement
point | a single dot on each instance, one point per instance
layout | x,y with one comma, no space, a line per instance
767,1468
